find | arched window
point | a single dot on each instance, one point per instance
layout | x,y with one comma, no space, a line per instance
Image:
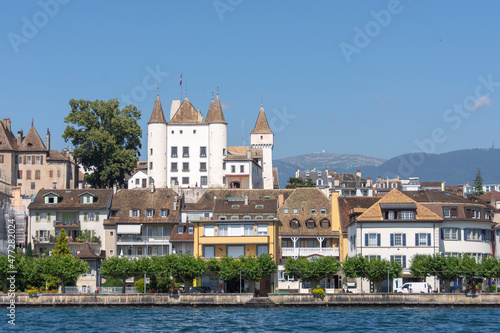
310,224
325,224
294,224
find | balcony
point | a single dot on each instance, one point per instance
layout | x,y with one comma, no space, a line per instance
67,224
141,239
308,251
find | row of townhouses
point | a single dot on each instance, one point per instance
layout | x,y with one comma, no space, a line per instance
284,223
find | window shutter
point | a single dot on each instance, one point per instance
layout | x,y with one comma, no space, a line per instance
24,159
366,239
33,159
465,233
483,235
404,261
392,239
404,239
46,200
416,239
442,233
468,213
459,233
378,239
454,212
41,159
130,213
429,243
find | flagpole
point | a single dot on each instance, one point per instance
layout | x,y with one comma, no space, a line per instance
181,87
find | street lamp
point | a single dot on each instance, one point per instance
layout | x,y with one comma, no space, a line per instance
240,280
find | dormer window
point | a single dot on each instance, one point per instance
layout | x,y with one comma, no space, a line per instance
149,212
164,213
51,199
325,224
259,206
88,199
294,224
407,215
134,212
310,224
235,206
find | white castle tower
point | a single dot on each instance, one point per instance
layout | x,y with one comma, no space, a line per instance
217,149
157,146
263,138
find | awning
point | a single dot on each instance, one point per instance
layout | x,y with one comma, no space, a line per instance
134,229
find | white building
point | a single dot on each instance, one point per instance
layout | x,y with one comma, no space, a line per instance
395,228
190,152
81,213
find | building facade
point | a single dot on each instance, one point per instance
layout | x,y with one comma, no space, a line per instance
188,151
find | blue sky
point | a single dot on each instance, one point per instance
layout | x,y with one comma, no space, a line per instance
378,78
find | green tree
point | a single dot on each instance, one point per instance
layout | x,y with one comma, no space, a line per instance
106,139
186,268
294,182
30,274
64,267
229,268
469,269
445,268
378,269
477,184
420,265
29,251
319,268
9,264
489,268
121,268
356,266
61,247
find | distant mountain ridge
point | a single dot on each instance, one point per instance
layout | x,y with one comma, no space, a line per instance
320,161
455,167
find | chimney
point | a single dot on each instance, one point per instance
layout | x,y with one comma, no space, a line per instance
336,182
6,123
358,173
175,203
368,181
334,170
48,139
19,137
281,198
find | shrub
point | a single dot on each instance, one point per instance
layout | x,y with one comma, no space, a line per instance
32,291
319,291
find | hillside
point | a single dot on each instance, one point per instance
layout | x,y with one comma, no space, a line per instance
340,162
456,167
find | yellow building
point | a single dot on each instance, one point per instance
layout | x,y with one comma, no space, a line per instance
239,227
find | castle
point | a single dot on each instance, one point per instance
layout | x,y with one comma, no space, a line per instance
191,152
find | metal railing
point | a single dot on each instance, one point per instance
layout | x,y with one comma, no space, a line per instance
307,251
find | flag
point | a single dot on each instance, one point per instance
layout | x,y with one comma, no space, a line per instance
181,80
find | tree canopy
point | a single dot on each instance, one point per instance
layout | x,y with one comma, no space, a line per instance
119,267
106,139
65,267
477,184
61,246
312,270
294,182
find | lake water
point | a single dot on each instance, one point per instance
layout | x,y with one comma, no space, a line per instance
164,319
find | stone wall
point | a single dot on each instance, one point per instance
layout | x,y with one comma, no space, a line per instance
274,300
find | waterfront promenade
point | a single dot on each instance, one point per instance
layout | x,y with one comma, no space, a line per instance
246,300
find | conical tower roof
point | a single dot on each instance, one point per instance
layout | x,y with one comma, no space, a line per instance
32,141
157,116
186,114
261,126
215,114
7,139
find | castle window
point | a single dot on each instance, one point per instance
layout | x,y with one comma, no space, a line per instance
185,166
203,166
173,166
173,151
203,151
151,151
185,151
